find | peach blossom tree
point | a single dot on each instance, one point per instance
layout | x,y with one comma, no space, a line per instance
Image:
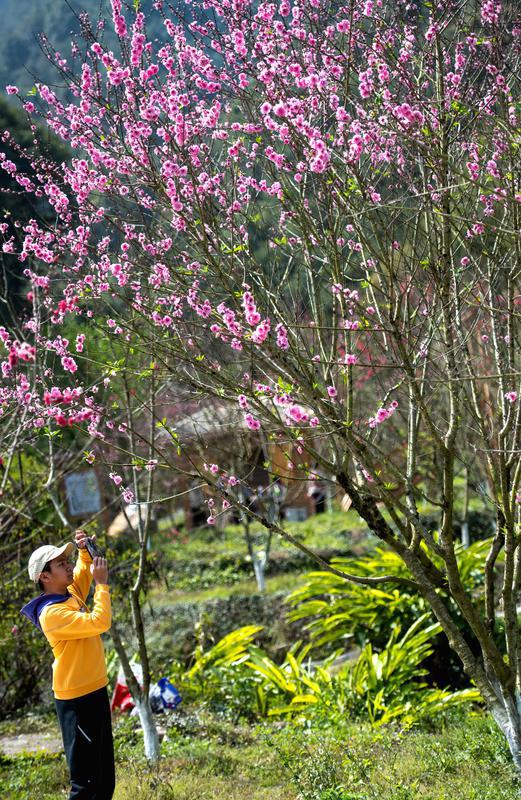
308,211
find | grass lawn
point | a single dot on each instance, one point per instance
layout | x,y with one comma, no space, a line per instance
208,759
278,583
208,564
333,530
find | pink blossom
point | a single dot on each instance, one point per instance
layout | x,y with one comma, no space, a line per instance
69,364
356,147
128,495
282,337
280,109
252,423
381,415
431,32
261,332
296,413
117,479
511,396
332,392
80,339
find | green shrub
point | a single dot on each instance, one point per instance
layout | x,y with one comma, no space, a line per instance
216,680
465,758
171,629
387,685
335,609
336,613
25,663
379,686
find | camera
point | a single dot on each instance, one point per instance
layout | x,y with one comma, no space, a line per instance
93,550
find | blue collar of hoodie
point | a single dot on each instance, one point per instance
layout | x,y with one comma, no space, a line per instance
34,608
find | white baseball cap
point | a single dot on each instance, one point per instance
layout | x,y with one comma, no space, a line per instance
44,554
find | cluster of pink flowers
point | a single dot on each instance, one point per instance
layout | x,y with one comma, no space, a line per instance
251,422
18,351
72,418
282,337
56,395
119,21
407,115
69,364
250,309
382,414
490,12
295,414
260,334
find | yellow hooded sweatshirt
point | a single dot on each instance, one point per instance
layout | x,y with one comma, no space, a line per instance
74,635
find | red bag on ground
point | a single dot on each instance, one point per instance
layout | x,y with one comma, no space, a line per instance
121,698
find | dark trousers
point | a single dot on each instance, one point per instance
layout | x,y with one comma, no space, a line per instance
87,738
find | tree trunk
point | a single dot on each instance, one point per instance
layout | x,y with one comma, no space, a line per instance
148,724
507,715
465,534
329,497
259,568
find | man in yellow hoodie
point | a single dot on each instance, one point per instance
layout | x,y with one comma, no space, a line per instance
79,670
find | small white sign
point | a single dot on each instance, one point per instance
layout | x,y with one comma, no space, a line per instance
83,493
295,514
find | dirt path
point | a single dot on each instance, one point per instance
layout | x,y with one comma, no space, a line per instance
30,743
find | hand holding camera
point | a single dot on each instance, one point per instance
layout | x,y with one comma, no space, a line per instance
89,543
99,569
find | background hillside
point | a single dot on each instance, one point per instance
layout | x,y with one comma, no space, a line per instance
22,61
21,58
